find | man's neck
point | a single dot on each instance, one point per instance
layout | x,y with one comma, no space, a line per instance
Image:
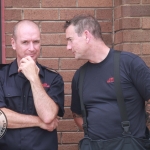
98,52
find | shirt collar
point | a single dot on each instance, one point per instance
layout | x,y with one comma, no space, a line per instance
14,68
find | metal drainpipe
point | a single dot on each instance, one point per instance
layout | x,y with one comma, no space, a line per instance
2,33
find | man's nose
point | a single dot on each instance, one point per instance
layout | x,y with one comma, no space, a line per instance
69,47
31,46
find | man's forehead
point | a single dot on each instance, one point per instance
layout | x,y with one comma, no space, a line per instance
26,27
71,28
70,31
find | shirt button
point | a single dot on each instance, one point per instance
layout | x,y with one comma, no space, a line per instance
23,110
24,96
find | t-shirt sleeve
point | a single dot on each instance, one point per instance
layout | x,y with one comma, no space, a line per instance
75,100
140,74
56,92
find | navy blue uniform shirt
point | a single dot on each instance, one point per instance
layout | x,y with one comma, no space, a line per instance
16,94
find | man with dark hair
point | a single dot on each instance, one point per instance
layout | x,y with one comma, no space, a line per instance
84,40
31,96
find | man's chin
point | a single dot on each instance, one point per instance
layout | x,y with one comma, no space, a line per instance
76,57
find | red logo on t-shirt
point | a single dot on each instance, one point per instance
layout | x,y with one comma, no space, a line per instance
45,85
110,80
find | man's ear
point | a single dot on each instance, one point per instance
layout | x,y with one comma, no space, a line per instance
13,43
87,35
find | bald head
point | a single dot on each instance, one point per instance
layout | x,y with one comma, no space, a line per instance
21,24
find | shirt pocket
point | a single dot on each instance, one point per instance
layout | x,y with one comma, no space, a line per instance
13,98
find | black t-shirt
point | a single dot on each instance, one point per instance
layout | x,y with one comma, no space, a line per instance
103,116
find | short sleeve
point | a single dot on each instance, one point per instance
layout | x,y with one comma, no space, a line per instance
75,100
56,92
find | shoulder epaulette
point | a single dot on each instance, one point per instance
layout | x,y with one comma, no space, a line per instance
50,69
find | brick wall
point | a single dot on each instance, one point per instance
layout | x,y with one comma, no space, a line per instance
132,27
125,25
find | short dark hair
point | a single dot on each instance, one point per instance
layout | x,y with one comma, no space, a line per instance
85,22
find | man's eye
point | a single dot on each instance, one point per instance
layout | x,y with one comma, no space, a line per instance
25,42
36,42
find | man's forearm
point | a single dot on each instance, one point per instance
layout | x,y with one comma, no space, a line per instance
78,120
46,108
16,120
148,111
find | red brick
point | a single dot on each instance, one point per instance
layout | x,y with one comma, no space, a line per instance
26,3
9,27
116,25
147,60
55,52
146,1
58,3
146,23
136,35
146,48
10,53
118,47
117,12
68,147
50,39
63,40
67,75
8,39
107,38
95,3
8,3
67,100
131,1
117,2
136,11
14,14
106,26
122,2
129,23
8,60
50,63
68,137
104,14
118,37
67,125
41,14
134,48
59,135
71,63
67,88
66,14
68,113
52,27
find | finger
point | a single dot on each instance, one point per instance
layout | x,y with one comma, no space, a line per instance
29,58
19,70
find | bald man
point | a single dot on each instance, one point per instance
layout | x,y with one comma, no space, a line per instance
31,96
